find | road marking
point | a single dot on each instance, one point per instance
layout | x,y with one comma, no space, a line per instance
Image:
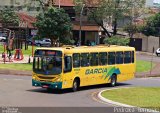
95,98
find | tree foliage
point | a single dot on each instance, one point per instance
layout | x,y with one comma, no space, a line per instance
111,11
152,26
131,29
114,40
8,17
54,24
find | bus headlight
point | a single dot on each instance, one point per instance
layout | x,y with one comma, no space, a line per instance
58,80
34,78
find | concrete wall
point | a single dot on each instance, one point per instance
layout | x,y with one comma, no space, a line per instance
153,42
149,42
145,44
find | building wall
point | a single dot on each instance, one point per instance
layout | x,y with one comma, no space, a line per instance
145,44
153,42
149,42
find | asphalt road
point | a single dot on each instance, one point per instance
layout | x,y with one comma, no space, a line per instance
148,57
17,91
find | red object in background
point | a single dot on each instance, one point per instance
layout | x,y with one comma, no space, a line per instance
18,55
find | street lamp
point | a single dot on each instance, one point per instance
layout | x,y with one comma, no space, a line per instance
80,33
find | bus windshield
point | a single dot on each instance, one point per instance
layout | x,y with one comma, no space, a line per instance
47,62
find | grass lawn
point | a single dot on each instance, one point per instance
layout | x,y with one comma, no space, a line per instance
141,96
23,67
143,66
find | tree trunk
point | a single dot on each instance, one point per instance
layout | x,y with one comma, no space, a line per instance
115,27
105,30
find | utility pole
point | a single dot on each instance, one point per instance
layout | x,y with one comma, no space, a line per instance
80,31
59,3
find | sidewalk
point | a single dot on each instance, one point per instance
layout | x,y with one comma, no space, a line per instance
25,60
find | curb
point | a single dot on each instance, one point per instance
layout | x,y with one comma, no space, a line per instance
110,101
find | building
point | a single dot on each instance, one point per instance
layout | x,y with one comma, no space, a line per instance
89,29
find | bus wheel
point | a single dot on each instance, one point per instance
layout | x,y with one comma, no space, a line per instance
75,86
113,80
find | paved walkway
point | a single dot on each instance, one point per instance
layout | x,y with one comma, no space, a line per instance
25,60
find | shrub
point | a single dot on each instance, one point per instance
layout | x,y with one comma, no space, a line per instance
114,40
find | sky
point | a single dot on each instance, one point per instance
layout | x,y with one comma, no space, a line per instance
156,1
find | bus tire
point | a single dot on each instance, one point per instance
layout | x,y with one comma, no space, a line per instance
113,80
75,86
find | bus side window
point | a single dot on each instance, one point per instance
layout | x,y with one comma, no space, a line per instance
67,64
132,56
102,58
111,58
94,59
127,57
119,57
76,60
84,60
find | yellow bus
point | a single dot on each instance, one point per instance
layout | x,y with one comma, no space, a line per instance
74,67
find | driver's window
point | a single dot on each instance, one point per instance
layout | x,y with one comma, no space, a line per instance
67,64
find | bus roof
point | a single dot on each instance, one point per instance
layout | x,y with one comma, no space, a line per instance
98,48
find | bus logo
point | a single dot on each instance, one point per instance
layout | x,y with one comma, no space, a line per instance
96,71
106,72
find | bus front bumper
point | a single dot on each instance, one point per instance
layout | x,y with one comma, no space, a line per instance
52,85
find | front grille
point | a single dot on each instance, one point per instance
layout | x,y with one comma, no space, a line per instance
43,77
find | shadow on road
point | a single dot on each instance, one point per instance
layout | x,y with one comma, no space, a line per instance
56,91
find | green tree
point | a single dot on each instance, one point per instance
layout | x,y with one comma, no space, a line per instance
111,11
137,10
152,26
114,40
9,17
54,24
131,29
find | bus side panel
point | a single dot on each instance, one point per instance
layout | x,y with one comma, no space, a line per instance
67,79
127,72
